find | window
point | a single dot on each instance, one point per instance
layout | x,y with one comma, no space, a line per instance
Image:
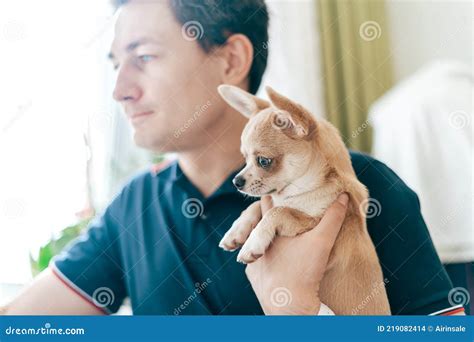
52,86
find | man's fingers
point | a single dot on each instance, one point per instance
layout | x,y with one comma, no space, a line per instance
331,223
266,204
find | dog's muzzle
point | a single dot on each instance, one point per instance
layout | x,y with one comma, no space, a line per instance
239,182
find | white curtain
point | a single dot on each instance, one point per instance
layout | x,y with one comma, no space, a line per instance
294,66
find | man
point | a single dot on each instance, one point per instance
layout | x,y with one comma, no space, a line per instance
157,242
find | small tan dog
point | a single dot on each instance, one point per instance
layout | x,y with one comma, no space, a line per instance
303,164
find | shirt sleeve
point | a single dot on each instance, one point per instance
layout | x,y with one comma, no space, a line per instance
416,281
91,264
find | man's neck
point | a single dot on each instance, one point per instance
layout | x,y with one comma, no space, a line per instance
209,165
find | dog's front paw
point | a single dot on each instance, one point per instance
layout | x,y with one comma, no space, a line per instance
230,242
254,248
236,235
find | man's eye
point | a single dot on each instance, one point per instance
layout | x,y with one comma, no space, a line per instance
264,162
146,58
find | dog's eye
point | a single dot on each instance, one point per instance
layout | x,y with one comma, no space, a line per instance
264,162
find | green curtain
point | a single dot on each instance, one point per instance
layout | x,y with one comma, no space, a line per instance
357,65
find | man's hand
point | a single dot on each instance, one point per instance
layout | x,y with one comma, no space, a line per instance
286,278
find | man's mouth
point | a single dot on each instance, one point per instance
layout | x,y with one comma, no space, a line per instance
137,118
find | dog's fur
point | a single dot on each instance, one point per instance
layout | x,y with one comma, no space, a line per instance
309,168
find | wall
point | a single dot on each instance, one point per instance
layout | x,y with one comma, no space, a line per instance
425,30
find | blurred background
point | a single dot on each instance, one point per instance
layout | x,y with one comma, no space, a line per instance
396,78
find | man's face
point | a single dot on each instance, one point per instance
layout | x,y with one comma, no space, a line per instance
163,80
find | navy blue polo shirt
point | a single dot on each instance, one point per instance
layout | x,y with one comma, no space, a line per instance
157,243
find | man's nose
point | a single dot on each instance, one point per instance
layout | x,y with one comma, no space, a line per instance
126,88
239,182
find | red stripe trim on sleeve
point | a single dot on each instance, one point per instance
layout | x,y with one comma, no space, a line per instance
452,312
66,282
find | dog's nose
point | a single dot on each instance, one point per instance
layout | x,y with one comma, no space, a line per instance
239,182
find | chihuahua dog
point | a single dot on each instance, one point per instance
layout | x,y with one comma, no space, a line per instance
303,165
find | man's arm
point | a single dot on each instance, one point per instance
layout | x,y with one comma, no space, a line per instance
48,295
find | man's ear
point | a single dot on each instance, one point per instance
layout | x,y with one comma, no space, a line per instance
292,118
242,101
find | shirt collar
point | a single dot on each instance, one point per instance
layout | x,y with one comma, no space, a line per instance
177,176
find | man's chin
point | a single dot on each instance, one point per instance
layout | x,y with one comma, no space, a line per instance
151,143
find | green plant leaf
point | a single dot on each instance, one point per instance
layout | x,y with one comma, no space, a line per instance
56,245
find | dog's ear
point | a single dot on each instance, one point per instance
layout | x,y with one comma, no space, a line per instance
242,101
283,120
292,118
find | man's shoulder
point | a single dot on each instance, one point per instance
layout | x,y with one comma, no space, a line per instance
362,163
378,177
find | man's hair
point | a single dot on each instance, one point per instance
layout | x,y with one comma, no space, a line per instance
215,20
